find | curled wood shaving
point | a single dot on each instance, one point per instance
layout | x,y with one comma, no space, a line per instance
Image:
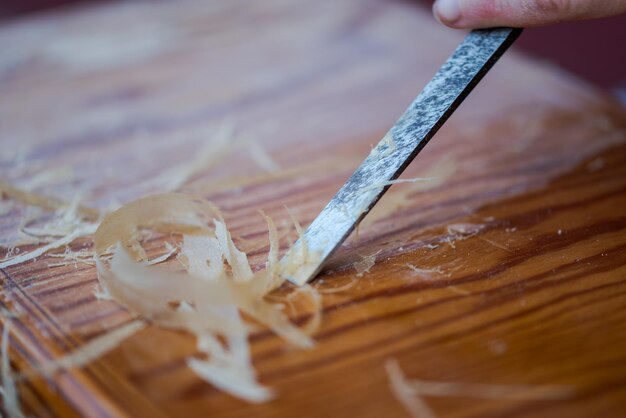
208,296
171,250
202,256
410,392
166,213
237,259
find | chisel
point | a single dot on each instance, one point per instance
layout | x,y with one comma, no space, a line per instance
472,59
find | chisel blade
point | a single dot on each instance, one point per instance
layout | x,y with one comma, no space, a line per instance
472,59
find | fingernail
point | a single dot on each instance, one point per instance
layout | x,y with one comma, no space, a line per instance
447,11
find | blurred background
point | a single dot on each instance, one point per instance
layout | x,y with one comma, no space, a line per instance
593,50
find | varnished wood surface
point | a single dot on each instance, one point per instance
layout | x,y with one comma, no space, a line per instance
533,166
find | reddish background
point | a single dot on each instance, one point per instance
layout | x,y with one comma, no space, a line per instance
594,50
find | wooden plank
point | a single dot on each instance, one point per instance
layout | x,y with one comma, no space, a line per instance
520,240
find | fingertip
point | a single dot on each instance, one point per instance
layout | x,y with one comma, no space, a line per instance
473,14
447,12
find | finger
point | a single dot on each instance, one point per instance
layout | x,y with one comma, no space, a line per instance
521,13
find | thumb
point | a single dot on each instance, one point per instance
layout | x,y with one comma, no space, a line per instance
521,13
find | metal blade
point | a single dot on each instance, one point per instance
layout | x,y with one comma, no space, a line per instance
473,58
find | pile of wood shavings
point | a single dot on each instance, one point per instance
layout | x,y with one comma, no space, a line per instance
71,221
212,286
206,296
218,283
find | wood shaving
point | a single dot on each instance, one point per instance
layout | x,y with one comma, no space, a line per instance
404,392
211,153
314,324
101,294
427,273
262,158
8,391
398,198
49,203
460,232
72,221
365,264
387,146
237,259
304,248
87,352
301,170
83,256
464,229
272,266
48,177
208,296
171,250
338,289
495,244
410,392
234,380
44,249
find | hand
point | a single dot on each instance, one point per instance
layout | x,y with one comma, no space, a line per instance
521,13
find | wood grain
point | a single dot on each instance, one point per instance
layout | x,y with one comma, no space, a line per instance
521,239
